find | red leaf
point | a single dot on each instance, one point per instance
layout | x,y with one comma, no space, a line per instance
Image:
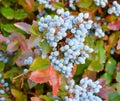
3,39
114,25
47,75
105,91
21,39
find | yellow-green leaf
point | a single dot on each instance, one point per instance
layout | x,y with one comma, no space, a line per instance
18,95
2,65
45,47
118,77
39,64
95,66
110,66
101,52
84,3
58,5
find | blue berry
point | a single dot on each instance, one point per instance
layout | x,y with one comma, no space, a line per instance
2,99
2,91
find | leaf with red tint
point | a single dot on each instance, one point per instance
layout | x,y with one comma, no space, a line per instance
102,81
47,75
114,25
12,46
105,91
23,26
23,56
3,39
28,5
90,74
118,67
118,44
21,39
35,99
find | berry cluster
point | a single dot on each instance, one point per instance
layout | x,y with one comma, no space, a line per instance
84,91
66,34
98,31
48,3
101,3
3,58
3,88
28,60
115,9
71,4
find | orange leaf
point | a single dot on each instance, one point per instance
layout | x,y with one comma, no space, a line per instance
47,75
28,5
114,25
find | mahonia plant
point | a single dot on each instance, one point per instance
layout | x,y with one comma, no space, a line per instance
73,45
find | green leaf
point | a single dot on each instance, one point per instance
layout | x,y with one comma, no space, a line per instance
2,65
118,77
7,13
118,87
110,66
82,67
46,98
19,96
39,64
105,28
114,96
58,5
108,78
7,99
96,66
20,14
45,47
10,74
84,3
101,52
8,28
